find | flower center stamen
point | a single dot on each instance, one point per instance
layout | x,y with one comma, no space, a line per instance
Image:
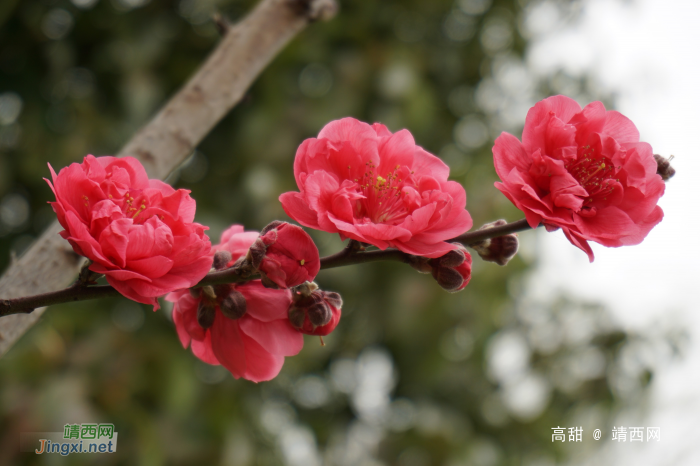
594,174
382,202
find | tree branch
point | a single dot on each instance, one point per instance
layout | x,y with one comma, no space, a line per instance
167,140
351,254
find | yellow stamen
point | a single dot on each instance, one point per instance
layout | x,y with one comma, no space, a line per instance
301,262
143,206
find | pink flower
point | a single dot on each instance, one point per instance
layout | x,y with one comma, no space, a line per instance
138,232
583,171
368,184
291,257
252,346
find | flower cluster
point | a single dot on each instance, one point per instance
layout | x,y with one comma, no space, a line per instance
581,170
246,329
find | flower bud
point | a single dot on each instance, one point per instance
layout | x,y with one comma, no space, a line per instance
319,314
273,225
313,311
256,253
291,257
500,249
448,278
456,275
663,167
333,298
297,315
234,305
205,314
221,259
453,258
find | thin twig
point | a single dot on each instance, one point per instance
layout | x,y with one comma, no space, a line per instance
353,253
477,236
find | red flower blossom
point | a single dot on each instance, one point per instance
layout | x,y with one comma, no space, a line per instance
138,232
368,184
251,342
583,171
291,257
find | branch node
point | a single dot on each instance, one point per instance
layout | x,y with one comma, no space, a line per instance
86,276
314,10
221,23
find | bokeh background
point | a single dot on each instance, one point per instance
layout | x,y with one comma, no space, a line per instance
412,376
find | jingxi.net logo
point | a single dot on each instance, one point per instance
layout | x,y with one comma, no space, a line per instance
75,438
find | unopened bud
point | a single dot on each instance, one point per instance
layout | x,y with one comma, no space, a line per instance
234,305
205,314
221,259
271,226
500,249
333,298
256,253
454,258
663,167
314,311
297,316
319,314
448,278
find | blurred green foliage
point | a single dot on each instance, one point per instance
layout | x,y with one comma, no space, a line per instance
413,376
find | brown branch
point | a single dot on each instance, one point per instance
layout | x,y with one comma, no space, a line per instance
477,236
167,140
353,253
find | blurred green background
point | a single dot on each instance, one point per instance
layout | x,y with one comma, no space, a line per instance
412,376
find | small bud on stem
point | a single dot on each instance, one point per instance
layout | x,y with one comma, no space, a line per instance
663,167
500,249
234,305
205,314
448,278
221,259
256,253
319,314
271,226
453,270
314,311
